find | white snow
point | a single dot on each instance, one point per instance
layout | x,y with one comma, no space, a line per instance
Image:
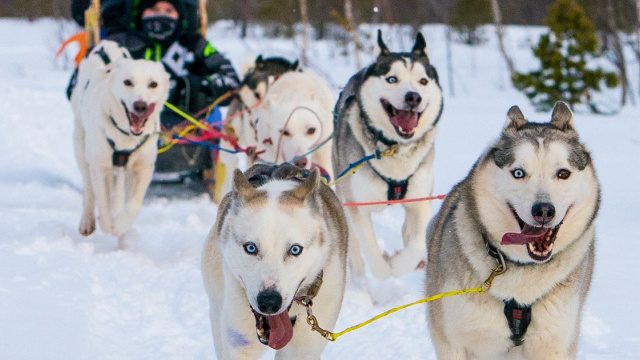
63,296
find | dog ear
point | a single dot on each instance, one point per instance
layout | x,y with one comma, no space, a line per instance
384,50
294,66
259,62
242,187
420,47
306,188
515,119
562,118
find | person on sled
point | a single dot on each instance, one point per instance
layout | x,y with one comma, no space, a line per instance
162,30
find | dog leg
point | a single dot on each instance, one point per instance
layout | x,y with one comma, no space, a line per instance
356,263
88,219
237,326
414,233
363,228
101,179
140,174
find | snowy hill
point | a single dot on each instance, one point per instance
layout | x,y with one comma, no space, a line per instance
63,296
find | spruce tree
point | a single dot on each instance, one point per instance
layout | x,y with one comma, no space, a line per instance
467,16
564,53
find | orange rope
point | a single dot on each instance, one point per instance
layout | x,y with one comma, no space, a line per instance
390,202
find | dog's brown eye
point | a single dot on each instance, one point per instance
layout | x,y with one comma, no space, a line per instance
563,174
424,81
286,133
257,95
311,131
153,84
128,82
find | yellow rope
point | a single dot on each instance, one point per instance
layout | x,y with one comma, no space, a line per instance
334,336
174,141
186,116
347,174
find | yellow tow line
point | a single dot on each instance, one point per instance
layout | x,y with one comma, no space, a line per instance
313,322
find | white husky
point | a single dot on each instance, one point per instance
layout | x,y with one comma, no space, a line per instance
116,102
276,237
295,118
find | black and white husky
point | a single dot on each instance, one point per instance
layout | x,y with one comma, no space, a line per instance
394,102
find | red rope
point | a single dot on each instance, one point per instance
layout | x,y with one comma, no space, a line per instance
390,202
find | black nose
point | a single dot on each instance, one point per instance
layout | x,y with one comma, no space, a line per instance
301,163
139,106
269,302
412,98
543,212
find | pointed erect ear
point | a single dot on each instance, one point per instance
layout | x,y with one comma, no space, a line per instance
420,47
515,119
294,66
259,59
562,118
307,187
384,50
242,188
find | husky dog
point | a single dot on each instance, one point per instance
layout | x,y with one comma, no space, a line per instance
396,101
253,89
116,103
276,237
529,202
295,118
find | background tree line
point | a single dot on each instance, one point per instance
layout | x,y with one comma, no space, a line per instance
321,12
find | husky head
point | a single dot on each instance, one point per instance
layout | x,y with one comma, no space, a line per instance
264,72
539,190
140,87
401,94
274,242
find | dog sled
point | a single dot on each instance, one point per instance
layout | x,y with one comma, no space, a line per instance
178,159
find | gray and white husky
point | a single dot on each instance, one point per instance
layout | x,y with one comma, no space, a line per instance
396,101
529,202
278,236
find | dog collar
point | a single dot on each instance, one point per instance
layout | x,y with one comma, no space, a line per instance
313,290
518,315
121,157
376,133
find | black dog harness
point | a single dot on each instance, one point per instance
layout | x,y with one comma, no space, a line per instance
121,157
396,189
518,315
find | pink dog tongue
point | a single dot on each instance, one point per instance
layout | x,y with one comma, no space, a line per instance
138,120
528,234
407,120
281,330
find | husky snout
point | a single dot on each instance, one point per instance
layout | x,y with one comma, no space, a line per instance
412,99
301,163
140,106
269,301
543,212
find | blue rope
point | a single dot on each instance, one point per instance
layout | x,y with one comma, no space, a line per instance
312,150
210,146
375,155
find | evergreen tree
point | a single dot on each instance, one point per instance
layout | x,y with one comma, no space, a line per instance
564,53
467,16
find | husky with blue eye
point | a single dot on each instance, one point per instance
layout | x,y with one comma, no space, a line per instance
394,102
280,238
529,203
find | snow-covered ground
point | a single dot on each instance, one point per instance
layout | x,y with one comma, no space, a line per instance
63,296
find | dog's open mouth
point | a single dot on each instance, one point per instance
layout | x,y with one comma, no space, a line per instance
137,120
539,240
274,331
404,121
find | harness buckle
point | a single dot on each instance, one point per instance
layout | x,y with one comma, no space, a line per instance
390,151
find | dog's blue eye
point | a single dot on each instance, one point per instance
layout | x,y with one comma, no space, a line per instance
250,248
392,79
295,250
518,173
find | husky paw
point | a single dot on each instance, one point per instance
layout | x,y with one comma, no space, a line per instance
87,226
122,224
381,271
403,263
106,224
